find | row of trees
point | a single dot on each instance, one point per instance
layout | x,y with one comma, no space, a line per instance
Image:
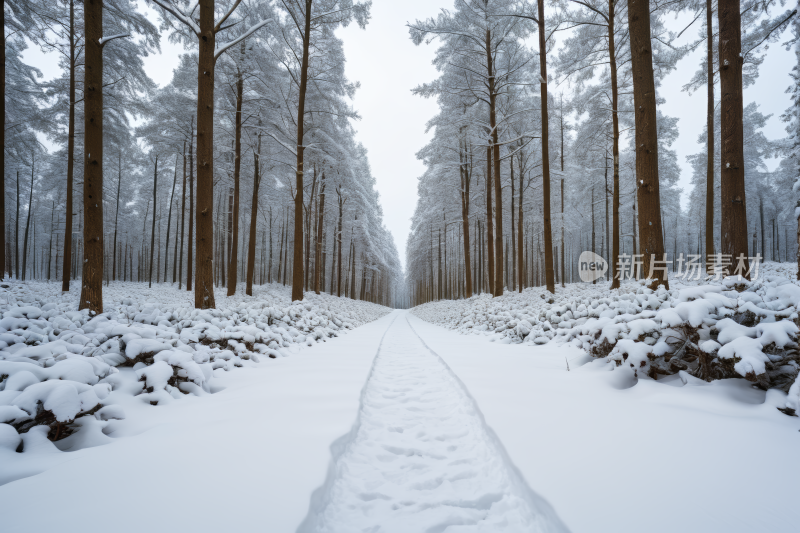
533,177
244,167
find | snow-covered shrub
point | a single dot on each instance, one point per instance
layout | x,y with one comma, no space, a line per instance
708,329
58,365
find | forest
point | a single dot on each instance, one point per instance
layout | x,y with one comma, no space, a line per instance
441,266
212,163
554,151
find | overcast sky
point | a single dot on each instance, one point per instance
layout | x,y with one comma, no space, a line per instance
388,65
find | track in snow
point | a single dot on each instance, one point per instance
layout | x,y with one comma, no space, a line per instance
420,458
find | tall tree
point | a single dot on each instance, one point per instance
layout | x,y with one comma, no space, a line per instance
732,185
92,272
251,249
651,243
206,31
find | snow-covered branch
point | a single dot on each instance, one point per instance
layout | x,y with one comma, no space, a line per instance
104,40
221,50
172,9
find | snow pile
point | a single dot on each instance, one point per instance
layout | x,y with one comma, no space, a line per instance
58,365
713,329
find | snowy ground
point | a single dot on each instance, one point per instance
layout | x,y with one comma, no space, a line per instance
421,458
659,457
401,425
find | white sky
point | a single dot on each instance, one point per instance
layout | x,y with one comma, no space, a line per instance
388,65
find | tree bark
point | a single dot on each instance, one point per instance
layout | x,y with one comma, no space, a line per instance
734,213
466,178
512,278
67,266
116,218
169,222
497,287
339,242
710,132
50,245
153,230
489,222
92,271
269,264
594,281
612,55
16,234
563,243
297,270
318,265
28,221
204,285
237,164
251,248
280,252
761,227
651,242
548,233
190,234
605,245
520,232
3,159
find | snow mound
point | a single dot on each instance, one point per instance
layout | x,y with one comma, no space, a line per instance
709,329
58,365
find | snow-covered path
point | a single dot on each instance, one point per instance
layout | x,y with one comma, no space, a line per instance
421,458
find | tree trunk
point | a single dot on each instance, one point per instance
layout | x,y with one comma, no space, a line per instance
251,248
520,233
612,54
237,163
169,221
439,269
16,234
594,281
352,268
309,218
604,245
116,217
339,242
280,253
269,264
490,251
734,213
651,242
190,234
563,222
28,222
318,265
92,271
563,243
50,245
497,288
3,160
153,230
465,185
548,233
710,131
67,266
513,275
297,271
204,285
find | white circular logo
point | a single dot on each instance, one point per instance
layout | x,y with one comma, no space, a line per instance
591,266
